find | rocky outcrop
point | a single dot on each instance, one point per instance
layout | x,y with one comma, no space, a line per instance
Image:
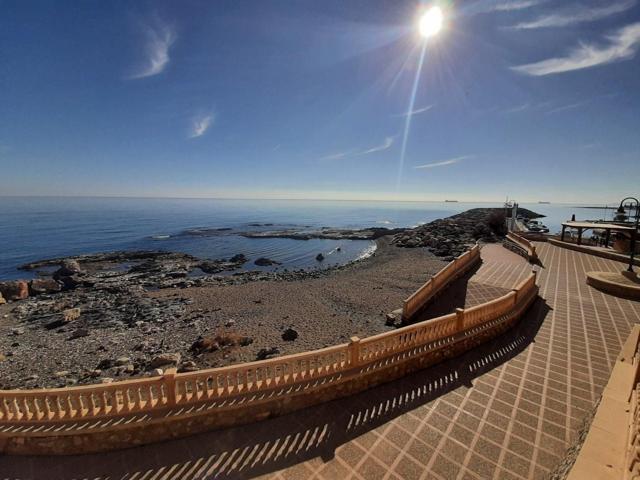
452,236
15,290
326,233
165,360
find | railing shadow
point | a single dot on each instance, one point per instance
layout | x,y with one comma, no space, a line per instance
267,446
452,297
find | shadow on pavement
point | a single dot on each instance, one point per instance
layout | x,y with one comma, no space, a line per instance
271,445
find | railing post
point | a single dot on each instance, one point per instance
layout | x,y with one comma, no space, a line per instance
459,319
354,351
169,381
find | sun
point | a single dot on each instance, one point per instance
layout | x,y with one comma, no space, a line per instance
431,22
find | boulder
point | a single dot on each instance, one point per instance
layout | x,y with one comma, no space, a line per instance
289,335
67,269
265,262
39,286
2,300
165,359
15,290
239,258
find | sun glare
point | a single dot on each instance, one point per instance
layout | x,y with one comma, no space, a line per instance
431,22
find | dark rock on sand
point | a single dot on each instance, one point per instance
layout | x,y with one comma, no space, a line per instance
320,257
289,335
265,353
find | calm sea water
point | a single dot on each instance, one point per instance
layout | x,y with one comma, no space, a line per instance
33,228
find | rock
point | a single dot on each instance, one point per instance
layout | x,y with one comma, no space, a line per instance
105,364
319,257
2,300
394,318
187,367
289,335
67,316
238,258
230,323
79,333
120,361
95,373
60,374
15,290
165,359
2,357
39,286
106,380
17,331
265,262
156,372
265,353
68,268
204,345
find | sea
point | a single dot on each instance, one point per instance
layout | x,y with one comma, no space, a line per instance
35,228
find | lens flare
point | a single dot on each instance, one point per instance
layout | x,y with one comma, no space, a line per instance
431,22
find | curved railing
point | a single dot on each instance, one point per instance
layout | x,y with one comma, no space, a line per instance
440,280
527,247
336,364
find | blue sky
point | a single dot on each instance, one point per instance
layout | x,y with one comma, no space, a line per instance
535,99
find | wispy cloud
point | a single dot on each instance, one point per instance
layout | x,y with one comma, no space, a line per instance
158,37
622,45
501,6
388,143
515,5
571,106
200,124
578,14
444,163
417,111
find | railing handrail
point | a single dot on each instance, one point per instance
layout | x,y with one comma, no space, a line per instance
422,295
524,243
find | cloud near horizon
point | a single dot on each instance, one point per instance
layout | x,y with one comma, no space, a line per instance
622,45
388,143
158,40
451,161
200,124
575,16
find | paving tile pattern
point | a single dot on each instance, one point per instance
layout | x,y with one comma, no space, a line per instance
506,410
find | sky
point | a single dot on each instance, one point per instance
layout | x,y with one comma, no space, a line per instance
531,99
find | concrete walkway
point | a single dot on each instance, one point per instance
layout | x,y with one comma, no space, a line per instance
506,410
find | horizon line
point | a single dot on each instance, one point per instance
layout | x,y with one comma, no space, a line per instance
154,197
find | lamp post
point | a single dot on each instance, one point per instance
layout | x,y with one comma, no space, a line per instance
635,230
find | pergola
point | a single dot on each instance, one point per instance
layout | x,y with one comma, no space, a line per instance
607,227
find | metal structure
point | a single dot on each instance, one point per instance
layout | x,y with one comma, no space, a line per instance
634,233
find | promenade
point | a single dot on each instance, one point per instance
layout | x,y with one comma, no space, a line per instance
506,410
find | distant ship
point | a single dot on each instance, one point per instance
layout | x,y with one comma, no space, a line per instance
544,202
451,201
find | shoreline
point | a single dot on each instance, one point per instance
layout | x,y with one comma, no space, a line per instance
126,314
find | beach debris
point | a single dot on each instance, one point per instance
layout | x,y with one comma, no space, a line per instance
289,335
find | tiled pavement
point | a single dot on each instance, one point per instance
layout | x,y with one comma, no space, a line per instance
506,410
